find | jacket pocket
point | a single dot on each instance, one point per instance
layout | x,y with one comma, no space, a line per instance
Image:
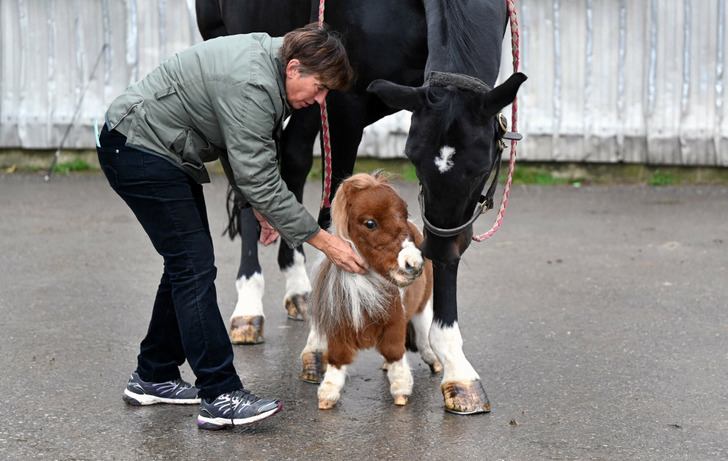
193,150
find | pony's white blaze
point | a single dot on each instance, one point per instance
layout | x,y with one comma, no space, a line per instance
410,263
448,346
297,281
410,255
250,296
444,161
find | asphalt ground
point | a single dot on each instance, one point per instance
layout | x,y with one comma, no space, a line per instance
596,317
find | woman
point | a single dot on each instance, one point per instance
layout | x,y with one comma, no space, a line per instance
221,99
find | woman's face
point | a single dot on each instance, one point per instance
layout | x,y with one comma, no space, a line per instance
302,90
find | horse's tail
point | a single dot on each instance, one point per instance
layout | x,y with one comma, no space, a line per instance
234,208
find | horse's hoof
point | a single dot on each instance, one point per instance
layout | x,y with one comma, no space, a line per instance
435,367
297,306
465,397
247,329
314,367
400,400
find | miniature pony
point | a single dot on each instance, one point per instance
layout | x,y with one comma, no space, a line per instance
349,312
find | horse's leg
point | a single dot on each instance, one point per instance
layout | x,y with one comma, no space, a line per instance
248,320
314,358
421,324
296,161
461,387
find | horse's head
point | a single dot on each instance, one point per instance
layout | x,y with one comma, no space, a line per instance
453,144
368,212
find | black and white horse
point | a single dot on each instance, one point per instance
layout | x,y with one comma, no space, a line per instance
436,58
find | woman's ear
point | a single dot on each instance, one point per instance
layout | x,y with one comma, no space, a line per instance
292,68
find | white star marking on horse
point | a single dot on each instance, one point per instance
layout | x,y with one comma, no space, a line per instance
444,161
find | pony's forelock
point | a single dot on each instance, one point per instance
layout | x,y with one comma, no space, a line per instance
339,210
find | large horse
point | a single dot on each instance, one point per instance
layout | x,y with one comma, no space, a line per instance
440,60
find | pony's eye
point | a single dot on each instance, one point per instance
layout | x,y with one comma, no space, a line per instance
370,224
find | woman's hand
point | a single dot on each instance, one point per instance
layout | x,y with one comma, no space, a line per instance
339,252
268,235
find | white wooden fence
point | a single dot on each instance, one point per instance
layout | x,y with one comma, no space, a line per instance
638,81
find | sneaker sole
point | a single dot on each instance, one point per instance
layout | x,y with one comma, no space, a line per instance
137,400
214,424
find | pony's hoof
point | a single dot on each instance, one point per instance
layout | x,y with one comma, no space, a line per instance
325,404
314,367
297,306
435,367
247,329
400,400
465,397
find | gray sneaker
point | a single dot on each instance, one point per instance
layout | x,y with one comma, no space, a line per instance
237,408
177,392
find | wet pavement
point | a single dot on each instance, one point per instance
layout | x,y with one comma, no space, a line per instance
596,318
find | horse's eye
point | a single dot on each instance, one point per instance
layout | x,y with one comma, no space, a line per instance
370,224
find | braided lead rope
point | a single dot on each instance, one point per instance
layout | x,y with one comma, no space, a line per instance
514,127
325,136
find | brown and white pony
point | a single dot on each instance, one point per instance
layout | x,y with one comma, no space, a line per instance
349,312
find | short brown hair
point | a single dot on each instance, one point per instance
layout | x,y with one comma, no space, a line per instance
321,53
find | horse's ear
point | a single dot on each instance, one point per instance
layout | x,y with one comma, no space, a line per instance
398,96
503,94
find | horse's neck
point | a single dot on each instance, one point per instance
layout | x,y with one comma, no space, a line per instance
464,37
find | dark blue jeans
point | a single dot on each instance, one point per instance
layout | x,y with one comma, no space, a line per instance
186,321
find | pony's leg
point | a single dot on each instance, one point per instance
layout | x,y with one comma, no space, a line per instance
247,321
314,358
421,323
391,345
329,392
296,159
341,354
461,386
400,380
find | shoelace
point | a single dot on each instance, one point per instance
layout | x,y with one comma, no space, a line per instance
242,397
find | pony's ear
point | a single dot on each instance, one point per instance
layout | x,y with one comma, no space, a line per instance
339,219
503,94
398,96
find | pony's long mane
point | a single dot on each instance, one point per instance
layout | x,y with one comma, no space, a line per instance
341,299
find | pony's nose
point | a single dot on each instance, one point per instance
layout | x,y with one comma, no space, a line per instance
413,269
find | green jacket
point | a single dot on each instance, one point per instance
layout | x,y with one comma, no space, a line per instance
220,99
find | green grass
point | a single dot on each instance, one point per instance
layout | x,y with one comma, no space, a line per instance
663,178
73,166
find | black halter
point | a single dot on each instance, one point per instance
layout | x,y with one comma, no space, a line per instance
485,203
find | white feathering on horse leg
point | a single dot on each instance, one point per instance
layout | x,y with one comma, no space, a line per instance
448,346
250,296
400,380
298,287
330,389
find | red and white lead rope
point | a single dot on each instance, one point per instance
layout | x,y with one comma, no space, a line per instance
514,127
325,136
